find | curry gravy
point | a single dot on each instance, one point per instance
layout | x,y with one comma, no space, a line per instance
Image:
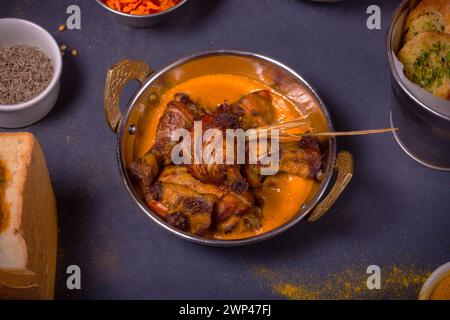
285,194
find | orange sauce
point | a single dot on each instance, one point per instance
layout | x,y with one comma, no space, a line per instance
286,193
442,290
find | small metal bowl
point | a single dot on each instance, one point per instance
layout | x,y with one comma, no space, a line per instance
143,21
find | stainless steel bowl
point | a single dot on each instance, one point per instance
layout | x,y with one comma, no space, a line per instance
423,120
143,21
254,66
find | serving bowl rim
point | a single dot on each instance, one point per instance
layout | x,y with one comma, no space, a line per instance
141,16
394,72
122,130
435,278
57,68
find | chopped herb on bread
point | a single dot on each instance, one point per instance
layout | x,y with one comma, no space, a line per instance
429,15
426,61
430,21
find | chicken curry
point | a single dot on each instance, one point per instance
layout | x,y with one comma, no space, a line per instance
225,201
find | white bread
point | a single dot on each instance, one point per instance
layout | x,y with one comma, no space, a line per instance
28,223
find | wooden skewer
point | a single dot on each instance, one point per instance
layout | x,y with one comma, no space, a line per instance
286,137
299,122
347,133
335,134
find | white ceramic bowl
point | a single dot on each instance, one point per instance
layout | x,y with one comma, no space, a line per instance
16,31
433,280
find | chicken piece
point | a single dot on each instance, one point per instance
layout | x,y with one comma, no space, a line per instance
232,204
180,175
257,109
228,176
180,113
253,175
301,158
145,169
228,203
182,207
251,111
223,118
239,224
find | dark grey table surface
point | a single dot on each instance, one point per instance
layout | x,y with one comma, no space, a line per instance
395,213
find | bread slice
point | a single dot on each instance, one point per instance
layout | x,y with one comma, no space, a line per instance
429,15
426,61
28,220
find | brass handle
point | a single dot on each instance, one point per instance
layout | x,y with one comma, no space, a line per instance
344,168
116,79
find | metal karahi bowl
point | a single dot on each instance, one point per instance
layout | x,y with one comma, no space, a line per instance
423,119
254,66
143,21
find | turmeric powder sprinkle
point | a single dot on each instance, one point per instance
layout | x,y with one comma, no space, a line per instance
350,283
141,7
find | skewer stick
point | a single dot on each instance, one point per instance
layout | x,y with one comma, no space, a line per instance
301,123
295,137
292,136
347,133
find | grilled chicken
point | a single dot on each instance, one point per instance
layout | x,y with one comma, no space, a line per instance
302,158
182,207
145,169
228,203
223,118
175,185
251,111
180,113
257,109
202,197
239,224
